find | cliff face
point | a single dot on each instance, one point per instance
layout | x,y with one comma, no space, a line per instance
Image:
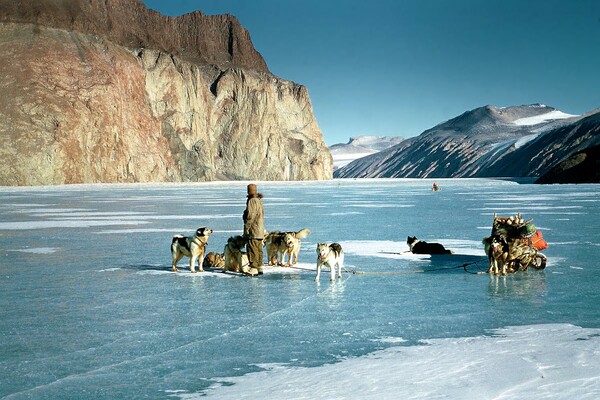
195,37
80,104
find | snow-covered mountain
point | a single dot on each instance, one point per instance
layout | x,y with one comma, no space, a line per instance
486,141
361,146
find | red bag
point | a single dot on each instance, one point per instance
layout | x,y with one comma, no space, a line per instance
538,241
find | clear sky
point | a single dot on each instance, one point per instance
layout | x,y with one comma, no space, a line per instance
399,67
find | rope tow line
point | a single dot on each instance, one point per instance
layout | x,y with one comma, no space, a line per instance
412,271
415,271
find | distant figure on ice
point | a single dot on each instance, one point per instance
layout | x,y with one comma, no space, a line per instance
435,187
254,229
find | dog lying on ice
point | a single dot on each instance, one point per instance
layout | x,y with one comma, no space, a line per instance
235,256
213,260
284,243
497,250
417,246
330,256
193,247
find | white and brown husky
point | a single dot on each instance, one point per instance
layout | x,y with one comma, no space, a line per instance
331,256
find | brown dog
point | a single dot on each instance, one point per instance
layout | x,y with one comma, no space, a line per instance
233,253
284,243
214,260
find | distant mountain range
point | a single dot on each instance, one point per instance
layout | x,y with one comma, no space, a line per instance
519,141
360,146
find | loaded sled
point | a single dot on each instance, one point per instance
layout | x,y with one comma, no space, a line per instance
514,245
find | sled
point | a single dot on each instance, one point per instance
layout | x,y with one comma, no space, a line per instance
524,243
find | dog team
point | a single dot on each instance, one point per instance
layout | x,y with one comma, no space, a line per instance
250,262
277,244
503,256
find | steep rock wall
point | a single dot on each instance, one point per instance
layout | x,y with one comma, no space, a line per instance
195,37
79,108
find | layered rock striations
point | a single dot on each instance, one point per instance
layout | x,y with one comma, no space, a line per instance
202,39
537,157
520,141
90,95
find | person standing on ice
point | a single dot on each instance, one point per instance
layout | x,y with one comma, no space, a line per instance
254,228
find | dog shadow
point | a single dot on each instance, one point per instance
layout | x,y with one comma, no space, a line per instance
158,269
152,268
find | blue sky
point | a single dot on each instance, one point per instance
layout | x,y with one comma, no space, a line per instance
399,67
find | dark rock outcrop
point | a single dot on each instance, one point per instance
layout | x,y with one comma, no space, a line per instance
581,167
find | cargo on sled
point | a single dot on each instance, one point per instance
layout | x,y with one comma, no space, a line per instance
514,245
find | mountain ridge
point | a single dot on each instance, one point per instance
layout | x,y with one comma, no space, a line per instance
361,146
469,145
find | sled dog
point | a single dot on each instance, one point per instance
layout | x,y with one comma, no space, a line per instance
330,256
497,250
193,247
213,260
235,256
274,245
282,243
421,247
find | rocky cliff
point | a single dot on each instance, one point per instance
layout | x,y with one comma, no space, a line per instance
108,91
520,141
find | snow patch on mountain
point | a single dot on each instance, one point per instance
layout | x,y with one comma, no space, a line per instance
525,139
539,119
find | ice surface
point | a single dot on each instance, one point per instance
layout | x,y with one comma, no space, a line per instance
526,362
38,250
74,223
342,159
91,308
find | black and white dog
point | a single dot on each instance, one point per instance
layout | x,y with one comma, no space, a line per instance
498,251
193,247
330,256
417,246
